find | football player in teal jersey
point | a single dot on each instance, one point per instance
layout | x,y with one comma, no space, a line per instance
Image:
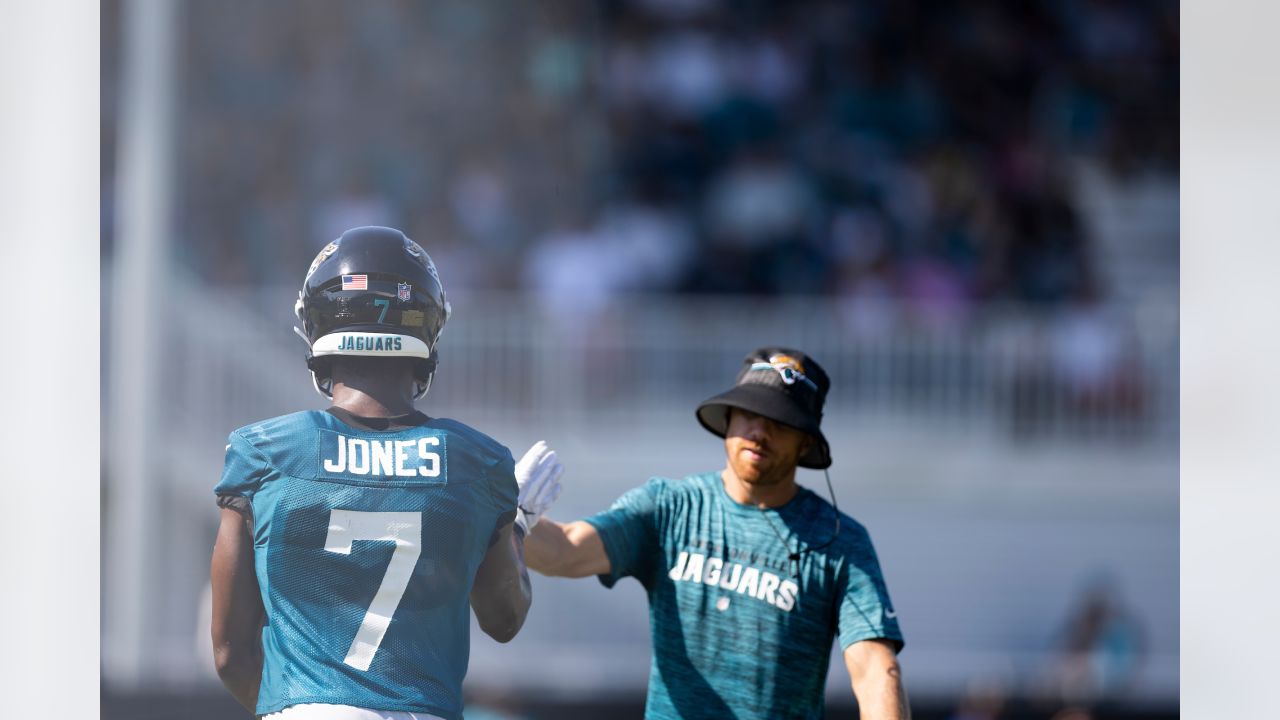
354,542
750,577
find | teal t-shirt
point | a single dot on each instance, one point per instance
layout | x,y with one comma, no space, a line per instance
740,629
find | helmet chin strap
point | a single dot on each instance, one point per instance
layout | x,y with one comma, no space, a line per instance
421,387
325,388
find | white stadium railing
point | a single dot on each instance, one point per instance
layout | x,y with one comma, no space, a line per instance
1001,369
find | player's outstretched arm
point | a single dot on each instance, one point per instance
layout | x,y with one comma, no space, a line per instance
877,680
237,609
566,550
501,594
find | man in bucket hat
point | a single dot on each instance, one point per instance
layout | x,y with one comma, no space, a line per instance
749,576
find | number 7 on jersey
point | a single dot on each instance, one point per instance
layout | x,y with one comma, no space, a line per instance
405,530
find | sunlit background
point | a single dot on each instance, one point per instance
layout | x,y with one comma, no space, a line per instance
967,212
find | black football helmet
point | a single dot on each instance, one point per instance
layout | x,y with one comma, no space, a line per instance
372,292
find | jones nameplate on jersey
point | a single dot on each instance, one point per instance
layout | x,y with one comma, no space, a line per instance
414,461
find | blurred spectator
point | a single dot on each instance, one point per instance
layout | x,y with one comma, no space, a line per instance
757,221
653,242
934,293
357,204
1101,649
574,275
685,73
756,201
859,246
481,204
766,67
1094,356
1079,369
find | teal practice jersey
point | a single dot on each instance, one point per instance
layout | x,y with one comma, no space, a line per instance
741,629
366,545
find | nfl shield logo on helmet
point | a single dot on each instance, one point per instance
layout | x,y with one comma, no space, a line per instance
404,291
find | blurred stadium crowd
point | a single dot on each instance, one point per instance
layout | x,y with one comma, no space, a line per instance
921,153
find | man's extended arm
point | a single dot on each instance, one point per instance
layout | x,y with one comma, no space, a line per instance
877,680
501,594
566,550
237,609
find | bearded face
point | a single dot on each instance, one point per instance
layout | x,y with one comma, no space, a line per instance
760,451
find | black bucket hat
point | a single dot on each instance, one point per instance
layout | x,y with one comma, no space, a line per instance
783,385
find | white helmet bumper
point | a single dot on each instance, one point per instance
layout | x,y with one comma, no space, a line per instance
370,344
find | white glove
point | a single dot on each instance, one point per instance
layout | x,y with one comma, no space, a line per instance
538,475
